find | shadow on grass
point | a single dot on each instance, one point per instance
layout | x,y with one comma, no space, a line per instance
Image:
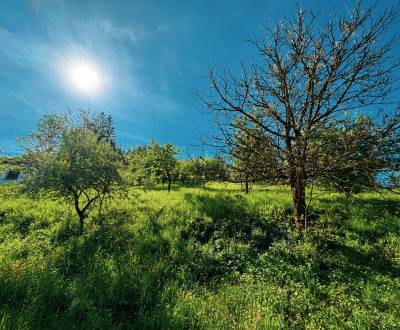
164,187
373,207
110,277
364,222
350,263
231,217
368,219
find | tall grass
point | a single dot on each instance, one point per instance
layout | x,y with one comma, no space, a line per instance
202,258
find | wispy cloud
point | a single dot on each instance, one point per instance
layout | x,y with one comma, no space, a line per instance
26,102
120,33
140,58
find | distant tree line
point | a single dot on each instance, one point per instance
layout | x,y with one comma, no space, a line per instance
154,164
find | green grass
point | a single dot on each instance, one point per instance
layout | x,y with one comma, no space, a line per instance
200,258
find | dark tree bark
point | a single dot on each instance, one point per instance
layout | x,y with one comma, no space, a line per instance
246,185
81,215
169,179
81,212
299,202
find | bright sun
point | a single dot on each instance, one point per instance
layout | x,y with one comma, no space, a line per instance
85,77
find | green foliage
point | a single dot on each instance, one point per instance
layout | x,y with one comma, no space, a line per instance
352,144
46,137
10,164
207,258
80,165
163,161
138,170
101,125
200,170
83,170
152,164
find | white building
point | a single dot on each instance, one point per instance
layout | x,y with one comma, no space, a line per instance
11,176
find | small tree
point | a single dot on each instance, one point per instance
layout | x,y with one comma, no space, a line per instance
184,168
252,155
215,168
153,163
164,162
141,167
78,165
82,170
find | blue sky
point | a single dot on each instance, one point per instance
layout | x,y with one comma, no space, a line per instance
153,55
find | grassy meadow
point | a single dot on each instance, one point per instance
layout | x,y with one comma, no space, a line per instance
200,258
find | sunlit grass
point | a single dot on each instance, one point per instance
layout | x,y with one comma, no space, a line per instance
200,257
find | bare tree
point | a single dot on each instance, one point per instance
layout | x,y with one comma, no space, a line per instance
307,77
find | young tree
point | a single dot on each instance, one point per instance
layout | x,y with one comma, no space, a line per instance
141,167
82,170
252,155
309,74
153,163
163,160
196,170
184,168
215,168
79,166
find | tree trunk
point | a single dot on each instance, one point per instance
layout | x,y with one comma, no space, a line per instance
246,186
81,218
81,214
299,201
169,182
100,209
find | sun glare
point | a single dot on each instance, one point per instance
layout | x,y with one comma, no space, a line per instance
85,77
